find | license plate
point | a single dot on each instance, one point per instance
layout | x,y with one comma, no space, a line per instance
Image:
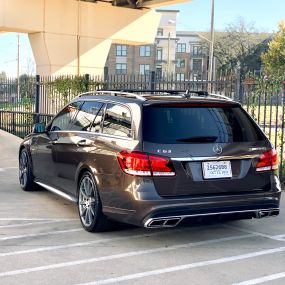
217,169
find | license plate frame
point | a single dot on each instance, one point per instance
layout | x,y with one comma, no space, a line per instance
217,169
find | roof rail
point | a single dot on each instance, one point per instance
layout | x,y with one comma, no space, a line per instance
182,93
114,93
165,91
219,96
131,93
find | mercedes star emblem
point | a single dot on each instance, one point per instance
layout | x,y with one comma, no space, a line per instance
217,149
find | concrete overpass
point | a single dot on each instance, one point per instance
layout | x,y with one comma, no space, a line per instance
74,36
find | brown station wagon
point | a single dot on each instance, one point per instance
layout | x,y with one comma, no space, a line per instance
153,160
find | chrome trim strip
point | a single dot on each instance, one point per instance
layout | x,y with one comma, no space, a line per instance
56,191
148,221
94,134
119,209
205,158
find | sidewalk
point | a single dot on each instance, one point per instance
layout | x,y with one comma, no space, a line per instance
9,147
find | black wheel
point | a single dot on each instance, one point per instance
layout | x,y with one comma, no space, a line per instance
90,207
26,176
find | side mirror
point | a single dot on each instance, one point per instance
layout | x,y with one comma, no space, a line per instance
39,128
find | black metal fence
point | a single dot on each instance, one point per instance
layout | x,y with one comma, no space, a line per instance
39,98
21,123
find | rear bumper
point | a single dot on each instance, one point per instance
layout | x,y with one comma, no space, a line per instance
147,212
172,221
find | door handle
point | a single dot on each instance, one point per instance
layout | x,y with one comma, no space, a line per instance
53,142
84,143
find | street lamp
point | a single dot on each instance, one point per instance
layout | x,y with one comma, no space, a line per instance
211,52
18,68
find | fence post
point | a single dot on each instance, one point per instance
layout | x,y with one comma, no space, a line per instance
152,81
282,133
236,97
86,82
13,123
37,103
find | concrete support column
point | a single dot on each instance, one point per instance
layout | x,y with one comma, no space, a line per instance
67,54
74,37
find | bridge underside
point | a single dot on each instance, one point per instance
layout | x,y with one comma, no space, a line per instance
73,36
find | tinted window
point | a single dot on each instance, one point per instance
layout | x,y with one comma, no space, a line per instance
198,125
62,120
88,116
117,121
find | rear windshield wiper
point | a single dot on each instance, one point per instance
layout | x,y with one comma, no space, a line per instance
202,139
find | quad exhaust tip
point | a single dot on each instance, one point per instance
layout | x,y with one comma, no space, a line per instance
163,223
267,213
170,222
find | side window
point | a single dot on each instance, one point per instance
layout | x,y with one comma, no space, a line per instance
88,116
117,121
63,118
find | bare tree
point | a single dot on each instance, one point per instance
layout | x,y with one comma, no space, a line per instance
238,46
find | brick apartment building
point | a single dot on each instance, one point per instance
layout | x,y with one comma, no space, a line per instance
180,54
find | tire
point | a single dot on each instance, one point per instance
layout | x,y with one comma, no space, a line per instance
89,205
26,176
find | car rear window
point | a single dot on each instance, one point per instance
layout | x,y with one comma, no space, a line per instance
198,124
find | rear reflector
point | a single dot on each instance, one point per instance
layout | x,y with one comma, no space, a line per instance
267,161
143,164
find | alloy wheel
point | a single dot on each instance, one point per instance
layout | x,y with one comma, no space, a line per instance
23,169
87,201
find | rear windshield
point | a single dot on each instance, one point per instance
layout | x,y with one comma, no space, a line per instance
187,124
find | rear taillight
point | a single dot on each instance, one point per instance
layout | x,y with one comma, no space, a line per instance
267,161
143,164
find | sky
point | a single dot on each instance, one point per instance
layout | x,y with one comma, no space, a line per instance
194,16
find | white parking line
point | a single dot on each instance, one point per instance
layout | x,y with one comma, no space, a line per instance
31,224
184,267
280,236
276,237
262,279
7,168
35,219
79,244
118,256
40,234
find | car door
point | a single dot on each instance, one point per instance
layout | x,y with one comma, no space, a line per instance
117,136
44,155
78,145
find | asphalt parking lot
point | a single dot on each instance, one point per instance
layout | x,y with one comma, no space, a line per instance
42,242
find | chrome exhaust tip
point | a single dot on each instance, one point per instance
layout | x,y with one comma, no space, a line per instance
274,213
163,222
267,213
172,222
262,214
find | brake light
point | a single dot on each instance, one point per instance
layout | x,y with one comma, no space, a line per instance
267,161
143,164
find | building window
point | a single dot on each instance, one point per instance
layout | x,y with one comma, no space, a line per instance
181,47
144,50
160,32
197,64
121,68
180,63
144,69
180,76
121,50
158,71
159,54
197,49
